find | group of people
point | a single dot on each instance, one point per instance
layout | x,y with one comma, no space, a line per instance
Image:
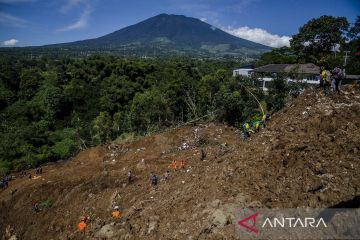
174,165
331,79
251,127
82,225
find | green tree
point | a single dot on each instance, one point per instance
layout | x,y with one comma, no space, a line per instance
278,55
102,126
318,36
30,81
354,30
149,110
278,91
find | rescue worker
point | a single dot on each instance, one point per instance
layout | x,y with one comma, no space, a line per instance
116,212
167,175
173,165
337,76
38,170
36,207
153,180
246,130
263,120
130,177
325,80
82,225
4,183
182,164
256,126
202,154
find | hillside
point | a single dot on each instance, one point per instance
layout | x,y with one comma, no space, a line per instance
169,34
308,156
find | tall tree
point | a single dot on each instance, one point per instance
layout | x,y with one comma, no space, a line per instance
318,36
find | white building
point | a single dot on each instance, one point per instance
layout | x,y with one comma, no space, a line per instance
242,72
304,73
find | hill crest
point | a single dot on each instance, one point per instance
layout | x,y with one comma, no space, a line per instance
171,34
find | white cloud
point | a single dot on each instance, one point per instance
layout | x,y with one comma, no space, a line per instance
70,4
10,20
203,19
10,42
259,35
80,23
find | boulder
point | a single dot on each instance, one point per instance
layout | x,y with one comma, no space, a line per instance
219,218
109,231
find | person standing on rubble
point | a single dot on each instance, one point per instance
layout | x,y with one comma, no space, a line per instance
325,80
182,164
246,130
256,126
82,225
116,212
173,165
130,177
153,179
167,175
337,76
202,154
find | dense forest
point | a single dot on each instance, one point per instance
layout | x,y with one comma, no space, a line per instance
51,108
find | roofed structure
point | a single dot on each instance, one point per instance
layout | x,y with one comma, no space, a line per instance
307,68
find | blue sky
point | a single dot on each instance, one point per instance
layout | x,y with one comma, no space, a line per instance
271,22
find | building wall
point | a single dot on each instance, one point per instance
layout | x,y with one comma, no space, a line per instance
242,72
311,79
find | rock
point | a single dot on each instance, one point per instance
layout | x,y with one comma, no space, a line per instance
255,204
152,227
215,204
154,218
141,165
127,236
219,218
109,231
355,150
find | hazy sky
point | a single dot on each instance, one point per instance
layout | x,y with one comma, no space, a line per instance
271,22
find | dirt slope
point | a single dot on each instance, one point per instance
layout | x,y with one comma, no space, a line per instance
308,156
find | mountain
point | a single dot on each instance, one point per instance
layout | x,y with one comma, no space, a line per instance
170,34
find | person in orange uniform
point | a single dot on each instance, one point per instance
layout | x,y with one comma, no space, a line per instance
82,225
183,164
173,165
116,212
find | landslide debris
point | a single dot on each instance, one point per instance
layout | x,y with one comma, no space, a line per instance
308,156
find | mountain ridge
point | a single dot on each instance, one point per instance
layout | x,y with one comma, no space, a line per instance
170,33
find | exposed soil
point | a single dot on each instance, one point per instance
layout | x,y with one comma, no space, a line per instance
308,156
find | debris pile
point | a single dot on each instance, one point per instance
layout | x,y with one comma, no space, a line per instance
307,156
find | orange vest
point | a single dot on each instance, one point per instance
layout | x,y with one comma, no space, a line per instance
115,214
81,226
173,164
